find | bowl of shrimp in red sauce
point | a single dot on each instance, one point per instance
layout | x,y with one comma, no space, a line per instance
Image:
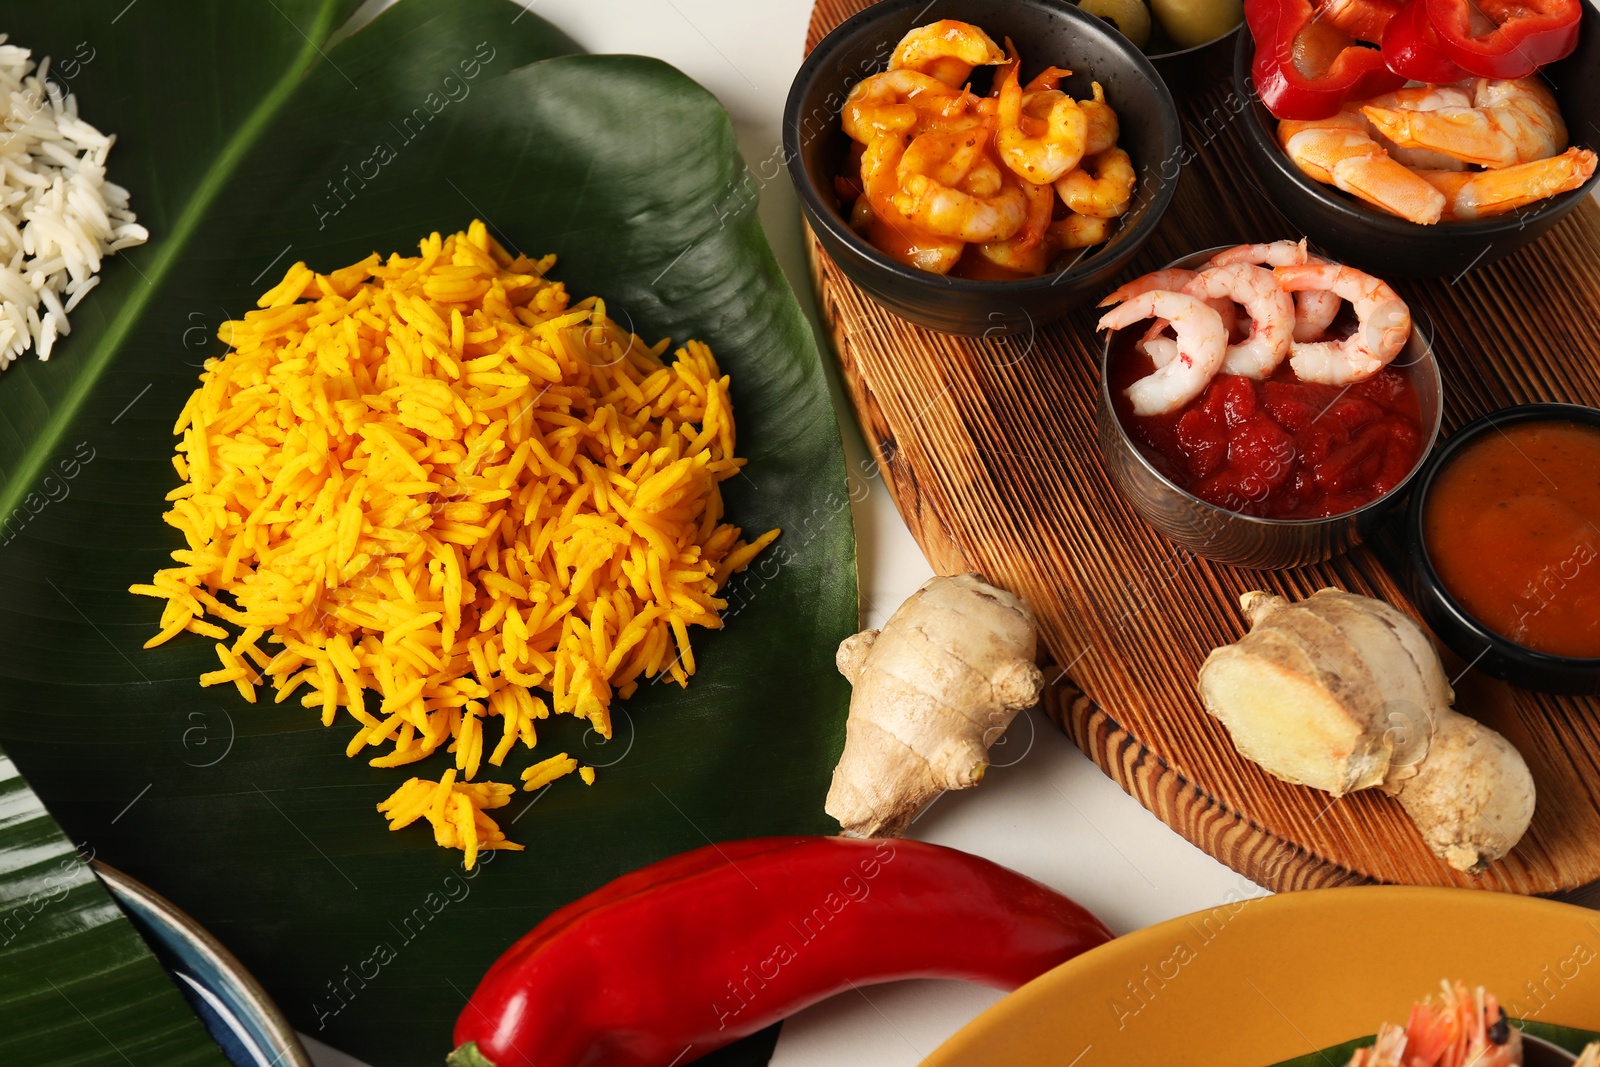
976,167
1263,406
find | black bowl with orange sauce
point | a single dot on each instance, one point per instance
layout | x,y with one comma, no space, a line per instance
1504,533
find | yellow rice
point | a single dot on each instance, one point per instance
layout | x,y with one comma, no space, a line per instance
421,488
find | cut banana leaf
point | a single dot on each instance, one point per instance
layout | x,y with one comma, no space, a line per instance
1565,1037
77,984
249,141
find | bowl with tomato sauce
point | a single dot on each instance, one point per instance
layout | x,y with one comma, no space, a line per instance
1270,473
1504,534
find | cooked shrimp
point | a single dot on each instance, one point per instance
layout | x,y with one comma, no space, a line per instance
1479,194
947,50
886,226
1103,129
1079,231
1339,151
1510,122
1202,343
1419,98
1314,311
1465,1029
1381,332
894,101
1038,149
1029,251
1171,278
945,209
1102,185
1271,312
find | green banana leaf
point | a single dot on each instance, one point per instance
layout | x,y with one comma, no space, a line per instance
249,140
1565,1037
77,984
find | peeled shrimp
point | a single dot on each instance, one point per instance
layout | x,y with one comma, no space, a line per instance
1201,346
1029,250
1171,278
1510,122
1079,231
1381,332
947,50
1103,129
1339,151
1419,98
1314,311
894,101
1271,312
1479,194
988,211
885,225
1101,185
1038,147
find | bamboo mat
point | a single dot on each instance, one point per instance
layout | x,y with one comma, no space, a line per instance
989,449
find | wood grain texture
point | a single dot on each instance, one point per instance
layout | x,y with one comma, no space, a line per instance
988,447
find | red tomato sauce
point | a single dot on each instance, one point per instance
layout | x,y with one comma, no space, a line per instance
1512,526
1280,448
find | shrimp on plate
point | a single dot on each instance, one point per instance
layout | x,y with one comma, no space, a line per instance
885,225
1340,151
1042,141
1466,1028
1508,122
1200,348
896,101
1271,312
946,50
1314,311
948,187
1477,194
1101,185
1383,324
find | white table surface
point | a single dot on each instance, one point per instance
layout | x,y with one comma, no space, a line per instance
1043,808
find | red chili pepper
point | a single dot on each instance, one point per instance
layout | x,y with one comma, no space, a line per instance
1305,68
1412,49
1521,36
688,955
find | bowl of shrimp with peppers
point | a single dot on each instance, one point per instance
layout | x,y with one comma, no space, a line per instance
980,168
1424,137
1263,406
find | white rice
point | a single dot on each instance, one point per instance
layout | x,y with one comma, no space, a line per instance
59,217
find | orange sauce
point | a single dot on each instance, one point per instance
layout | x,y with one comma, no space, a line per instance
1512,526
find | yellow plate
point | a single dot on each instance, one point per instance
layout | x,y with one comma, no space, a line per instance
1263,980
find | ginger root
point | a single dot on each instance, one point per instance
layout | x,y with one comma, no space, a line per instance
933,690
1343,692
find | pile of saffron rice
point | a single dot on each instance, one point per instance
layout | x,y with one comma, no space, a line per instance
421,488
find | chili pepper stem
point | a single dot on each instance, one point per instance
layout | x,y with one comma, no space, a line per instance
468,1056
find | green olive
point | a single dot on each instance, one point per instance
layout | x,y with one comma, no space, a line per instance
1130,17
1192,22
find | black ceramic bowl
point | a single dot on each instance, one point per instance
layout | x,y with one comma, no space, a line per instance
1391,247
1456,627
1046,32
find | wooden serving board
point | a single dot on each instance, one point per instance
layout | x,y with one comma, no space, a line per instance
989,448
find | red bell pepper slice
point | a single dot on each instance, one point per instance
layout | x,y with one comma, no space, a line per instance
1411,47
1306,68
1520,37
